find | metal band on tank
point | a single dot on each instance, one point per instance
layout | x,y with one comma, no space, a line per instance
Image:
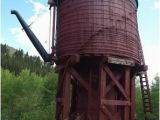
59,2
137,3
134,2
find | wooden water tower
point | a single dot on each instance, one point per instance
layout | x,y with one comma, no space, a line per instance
98,54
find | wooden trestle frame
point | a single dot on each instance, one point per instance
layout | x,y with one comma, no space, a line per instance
95,90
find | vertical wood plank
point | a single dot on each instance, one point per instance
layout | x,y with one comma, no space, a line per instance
132,98
102,87
127,90
66,96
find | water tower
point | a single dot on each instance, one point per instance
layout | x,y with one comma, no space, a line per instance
98,54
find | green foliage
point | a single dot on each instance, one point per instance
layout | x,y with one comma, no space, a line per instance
155,101
155,98
139,104
28,86
48,95
28,96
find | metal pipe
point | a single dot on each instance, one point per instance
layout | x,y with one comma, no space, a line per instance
32,37
53,30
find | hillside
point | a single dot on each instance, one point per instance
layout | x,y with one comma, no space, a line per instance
16,60
11,50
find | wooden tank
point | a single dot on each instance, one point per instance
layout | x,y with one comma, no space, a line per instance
98,27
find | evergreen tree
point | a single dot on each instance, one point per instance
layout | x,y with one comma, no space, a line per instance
155,98
18,61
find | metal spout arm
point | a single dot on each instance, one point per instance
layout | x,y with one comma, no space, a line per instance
32,37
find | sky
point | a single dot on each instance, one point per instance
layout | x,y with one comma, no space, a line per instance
37,12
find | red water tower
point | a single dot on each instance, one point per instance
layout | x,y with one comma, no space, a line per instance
98,54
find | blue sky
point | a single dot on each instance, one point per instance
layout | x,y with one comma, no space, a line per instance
37,11
27,8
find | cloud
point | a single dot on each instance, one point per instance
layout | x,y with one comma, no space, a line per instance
19,36
152,59
39,25
157,4
38,7
2,40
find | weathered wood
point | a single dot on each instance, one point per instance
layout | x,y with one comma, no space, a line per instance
116,102
109,72
79,78
121,61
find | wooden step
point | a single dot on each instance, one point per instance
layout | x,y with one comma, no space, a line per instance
145,93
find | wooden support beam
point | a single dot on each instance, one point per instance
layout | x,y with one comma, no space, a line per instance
59,103
66,95
132,98
112,84
102,86
82,82
116,102
90,99
127,89
60,82
121,89
59,112
62,74
107,113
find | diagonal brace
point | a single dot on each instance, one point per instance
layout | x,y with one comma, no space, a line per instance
109,72
79,78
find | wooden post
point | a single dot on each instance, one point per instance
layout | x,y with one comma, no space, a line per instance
102,86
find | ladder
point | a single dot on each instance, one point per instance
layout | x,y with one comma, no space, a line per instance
145,93
146,97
